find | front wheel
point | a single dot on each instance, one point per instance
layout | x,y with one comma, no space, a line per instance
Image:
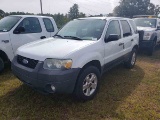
87,84
152,49
130,63
2,64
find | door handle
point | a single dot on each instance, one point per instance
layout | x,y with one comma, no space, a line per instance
43,37
5,41
120,44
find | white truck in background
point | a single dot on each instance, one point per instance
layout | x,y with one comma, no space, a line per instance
17,30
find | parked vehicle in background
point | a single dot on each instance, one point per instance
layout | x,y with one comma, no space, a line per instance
17,30
74,60
149,31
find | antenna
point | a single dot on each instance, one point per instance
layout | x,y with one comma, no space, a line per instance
41,7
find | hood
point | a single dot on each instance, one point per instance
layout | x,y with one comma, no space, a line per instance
4,36
146,28
52,48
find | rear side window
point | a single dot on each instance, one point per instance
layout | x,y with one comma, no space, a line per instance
113,28
48,24
133,26
31,25
126,28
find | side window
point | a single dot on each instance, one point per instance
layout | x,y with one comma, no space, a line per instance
113,28
133,26
48,24
31,25
126,28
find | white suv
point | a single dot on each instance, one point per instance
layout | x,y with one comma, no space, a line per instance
74,60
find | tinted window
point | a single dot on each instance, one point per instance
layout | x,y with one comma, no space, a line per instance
7,23
31,25
126,28
48,25
113,28
133,26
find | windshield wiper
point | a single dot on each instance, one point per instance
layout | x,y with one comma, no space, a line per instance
73,37
58,36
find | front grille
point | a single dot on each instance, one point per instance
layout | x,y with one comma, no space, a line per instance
141,34
27,62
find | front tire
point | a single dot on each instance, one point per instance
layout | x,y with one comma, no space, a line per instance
130,63
152,49
87,84
2,65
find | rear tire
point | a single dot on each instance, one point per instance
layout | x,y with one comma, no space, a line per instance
87,84
130,63
2,65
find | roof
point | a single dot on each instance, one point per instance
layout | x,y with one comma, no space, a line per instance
38,16
105,18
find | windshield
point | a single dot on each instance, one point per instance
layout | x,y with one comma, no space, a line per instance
146,22
83,29
7,23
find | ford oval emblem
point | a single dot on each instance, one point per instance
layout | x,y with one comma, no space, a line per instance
25,61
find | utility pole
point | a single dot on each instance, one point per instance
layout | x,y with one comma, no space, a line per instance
41,7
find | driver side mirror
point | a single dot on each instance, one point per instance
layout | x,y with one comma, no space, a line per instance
19,30
112,37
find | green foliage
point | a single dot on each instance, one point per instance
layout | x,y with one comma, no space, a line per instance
60,19
74,12
129,8
2,13
18,13
157,10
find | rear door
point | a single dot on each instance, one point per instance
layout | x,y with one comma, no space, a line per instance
49,27
33,32
127,36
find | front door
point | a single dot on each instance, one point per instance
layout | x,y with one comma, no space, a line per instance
113,49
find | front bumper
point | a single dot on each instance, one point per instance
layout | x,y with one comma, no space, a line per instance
42,79
146,43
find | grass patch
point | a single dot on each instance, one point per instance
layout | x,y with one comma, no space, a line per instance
124,94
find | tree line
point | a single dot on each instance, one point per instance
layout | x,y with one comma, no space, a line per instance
59,18
129,8
126,8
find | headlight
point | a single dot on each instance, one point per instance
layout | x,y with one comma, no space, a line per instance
54,64
147,35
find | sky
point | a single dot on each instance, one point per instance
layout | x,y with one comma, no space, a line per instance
90,7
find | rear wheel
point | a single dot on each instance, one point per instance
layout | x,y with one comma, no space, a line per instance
132,59
2,64
87,84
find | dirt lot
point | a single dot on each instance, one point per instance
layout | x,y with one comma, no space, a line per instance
124,94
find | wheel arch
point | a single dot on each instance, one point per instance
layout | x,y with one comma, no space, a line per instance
95,63
136,47
4,56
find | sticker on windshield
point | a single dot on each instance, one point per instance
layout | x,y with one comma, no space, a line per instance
4,30
94,39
